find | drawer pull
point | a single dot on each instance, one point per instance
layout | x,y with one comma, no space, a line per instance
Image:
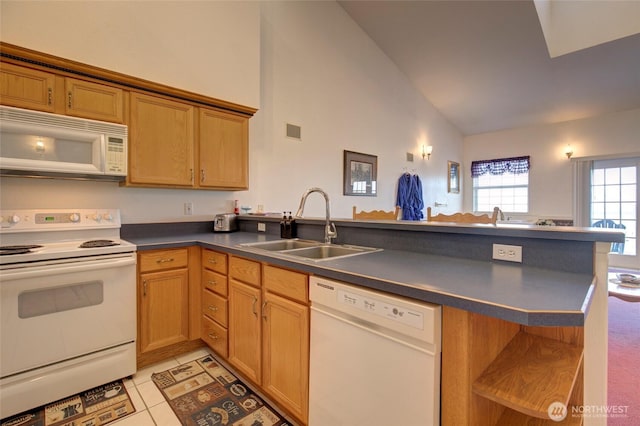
212,260
165,260
264,310
253,308
213,308
213,336
213,283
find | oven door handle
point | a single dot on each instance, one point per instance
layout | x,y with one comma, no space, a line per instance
67,267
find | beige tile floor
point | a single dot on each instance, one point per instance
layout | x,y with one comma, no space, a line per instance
151,407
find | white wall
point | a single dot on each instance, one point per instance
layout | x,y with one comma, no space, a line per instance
321,72
208,47
551,175
317,70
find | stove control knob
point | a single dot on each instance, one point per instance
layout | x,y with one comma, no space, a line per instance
74,217
107,216
96,217
14,218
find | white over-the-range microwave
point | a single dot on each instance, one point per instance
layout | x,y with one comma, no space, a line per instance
40,144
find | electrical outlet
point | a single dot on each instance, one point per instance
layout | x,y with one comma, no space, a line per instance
262,227
188,209
507,252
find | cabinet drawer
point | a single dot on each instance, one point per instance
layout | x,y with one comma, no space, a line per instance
214,282
214,261
294,285
247,271
215,336
215,307
158,260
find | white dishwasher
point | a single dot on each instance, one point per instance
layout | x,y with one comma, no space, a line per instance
375,358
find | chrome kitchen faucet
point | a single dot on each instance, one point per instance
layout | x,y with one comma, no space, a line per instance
329,228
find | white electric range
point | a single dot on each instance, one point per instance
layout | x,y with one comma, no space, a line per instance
68,304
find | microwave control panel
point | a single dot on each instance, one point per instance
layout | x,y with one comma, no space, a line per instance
116,155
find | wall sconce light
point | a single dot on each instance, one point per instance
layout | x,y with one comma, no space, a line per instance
568,151
426,151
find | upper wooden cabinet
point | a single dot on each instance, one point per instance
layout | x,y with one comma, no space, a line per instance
160,141
224,150
92,100
177,139
163,148
29,88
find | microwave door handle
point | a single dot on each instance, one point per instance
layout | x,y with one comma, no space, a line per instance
103,153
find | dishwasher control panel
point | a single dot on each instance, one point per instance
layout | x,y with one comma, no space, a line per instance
381,308
377,310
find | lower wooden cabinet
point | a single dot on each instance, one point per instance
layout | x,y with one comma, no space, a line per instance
285,353
254,315
215,336
163,294
214,292
245,328
269,331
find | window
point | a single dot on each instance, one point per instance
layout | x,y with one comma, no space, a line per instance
614,193
503,183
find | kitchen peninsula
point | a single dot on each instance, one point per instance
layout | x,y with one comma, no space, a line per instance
556,297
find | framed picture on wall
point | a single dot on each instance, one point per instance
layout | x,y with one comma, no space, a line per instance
360,174
453,177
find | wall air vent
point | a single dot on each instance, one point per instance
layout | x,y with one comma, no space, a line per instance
294,131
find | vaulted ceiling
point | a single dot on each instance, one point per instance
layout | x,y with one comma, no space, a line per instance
485,65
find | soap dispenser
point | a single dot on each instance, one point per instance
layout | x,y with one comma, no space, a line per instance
293,227
284,228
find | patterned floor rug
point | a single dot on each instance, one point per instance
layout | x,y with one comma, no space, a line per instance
203,392
95,407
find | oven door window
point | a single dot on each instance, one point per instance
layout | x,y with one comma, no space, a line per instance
51,300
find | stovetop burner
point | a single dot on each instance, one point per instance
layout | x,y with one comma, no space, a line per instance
98,243
17,249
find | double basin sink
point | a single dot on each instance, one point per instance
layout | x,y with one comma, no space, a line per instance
311,250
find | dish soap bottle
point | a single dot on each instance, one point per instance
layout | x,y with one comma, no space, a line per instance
285,230
293,227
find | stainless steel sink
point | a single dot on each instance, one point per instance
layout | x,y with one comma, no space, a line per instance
280,245
308,249
330,251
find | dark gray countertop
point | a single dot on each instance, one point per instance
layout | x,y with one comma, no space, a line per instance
513,292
